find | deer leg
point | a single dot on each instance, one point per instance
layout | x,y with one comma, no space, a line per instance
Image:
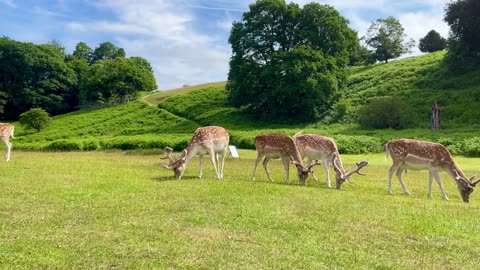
259,157
327,169
222,160
313,175
390,173
213,158
430,181
265,162
286,166
9,146
200,158
439,181
399,176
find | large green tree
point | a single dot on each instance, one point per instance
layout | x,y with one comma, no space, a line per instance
33,76
464,41
116,81
387,39
432,42
288,62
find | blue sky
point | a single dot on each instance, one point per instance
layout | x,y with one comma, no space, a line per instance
186,41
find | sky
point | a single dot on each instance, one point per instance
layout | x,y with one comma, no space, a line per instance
185,41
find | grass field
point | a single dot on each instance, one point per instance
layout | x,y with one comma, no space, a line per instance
120,210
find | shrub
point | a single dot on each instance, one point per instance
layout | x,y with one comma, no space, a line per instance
35,118
386,112
63,145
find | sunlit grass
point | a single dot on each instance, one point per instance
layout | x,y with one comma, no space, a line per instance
93,210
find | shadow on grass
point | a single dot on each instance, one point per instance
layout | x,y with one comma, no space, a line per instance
172,178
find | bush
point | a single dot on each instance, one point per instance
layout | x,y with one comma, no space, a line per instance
35,118
386,112
63,145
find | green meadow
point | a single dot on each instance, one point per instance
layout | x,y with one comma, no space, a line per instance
120,210
88,191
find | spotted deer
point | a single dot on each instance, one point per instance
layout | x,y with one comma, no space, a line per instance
323,148
211,140
421,155
6,131
272,146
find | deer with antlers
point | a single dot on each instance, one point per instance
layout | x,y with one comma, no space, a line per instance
272,146
211,140
6,131
315,146
421,155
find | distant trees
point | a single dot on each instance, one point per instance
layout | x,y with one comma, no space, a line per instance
387,38
288,62
464,41
432,42
45,76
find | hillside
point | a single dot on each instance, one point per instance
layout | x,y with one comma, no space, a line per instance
144,125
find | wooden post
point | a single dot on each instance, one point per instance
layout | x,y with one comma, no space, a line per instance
435,119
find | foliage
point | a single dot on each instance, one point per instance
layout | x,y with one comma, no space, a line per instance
35,118
432,42
116,81
105,51
464,41
33,76
288,62
83,51
45,76
386,37
388,112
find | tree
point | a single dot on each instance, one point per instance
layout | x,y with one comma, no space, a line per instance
116,81
57,46
386,37
35,118
432,42
464,40
83,51
33,76
107,51
288,62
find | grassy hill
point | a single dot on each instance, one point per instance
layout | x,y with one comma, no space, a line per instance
170,117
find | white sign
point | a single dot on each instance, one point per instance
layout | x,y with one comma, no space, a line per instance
233,151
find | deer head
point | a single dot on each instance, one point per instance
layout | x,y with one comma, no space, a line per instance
465,186
340,175
302,171
177,164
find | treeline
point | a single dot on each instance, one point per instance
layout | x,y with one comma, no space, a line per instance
45,76
290,63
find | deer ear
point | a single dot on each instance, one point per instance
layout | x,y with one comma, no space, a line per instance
471,178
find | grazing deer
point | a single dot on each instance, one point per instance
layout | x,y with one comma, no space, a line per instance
211,140
274,146
315,146
434,157
6,131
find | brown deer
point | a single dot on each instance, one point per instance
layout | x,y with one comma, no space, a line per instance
323,148
211,140
421,155
272,146
6,131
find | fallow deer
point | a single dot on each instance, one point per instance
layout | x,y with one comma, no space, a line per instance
272,146
6,131
421,155
315,146
211,140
